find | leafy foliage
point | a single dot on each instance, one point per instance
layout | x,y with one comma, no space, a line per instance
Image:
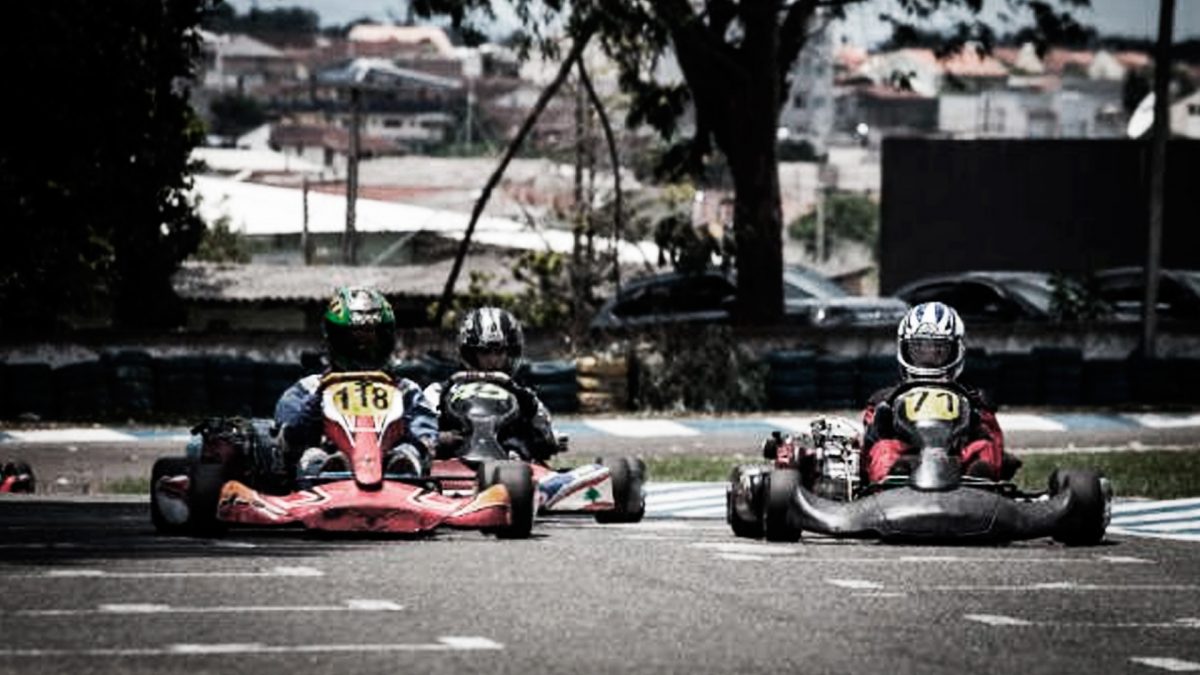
234,115
223,244
544,303
706,370
282,25
94,184
848,215
1076,298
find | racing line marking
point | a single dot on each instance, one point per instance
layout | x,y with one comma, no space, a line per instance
443,644
76,574
1186,623
152,608
1174,665
1067,586
638,428
855,584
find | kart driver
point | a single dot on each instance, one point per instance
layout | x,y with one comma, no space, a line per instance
490,346
360,334
930,348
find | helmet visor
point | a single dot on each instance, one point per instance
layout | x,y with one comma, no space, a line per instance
929,353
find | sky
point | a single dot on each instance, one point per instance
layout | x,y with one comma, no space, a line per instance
1134,18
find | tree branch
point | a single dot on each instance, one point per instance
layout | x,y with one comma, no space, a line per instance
581,41
792,36
618,216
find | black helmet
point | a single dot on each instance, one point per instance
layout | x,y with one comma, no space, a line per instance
359,328
490,329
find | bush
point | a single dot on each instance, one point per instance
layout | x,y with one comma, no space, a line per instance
848,215
704,370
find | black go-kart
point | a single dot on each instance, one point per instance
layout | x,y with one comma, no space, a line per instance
814,483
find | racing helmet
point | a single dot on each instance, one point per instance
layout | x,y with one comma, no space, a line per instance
490,330
929,343
359,328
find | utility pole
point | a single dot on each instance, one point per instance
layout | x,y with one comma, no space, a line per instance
305,241
350,238
1158,168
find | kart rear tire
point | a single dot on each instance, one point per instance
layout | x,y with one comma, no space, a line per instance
517,478
780,492
1085,522
629,496
167,466
204,491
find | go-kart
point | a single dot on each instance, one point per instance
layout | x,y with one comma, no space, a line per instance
611,492
362,420
16,477
815,484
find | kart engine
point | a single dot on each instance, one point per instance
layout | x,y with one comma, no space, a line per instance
837,443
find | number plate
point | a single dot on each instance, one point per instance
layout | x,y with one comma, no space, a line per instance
479,390
361,398
930,404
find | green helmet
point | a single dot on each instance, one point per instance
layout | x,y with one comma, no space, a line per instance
359,329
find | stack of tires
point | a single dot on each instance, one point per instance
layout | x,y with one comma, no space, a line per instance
1106,382
132,384
875,373
182,385
231,386
791,380
1062,374
83,391
1019,380
603,384
28,390
837,382
556,384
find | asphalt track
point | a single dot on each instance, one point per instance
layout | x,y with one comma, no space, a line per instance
87,587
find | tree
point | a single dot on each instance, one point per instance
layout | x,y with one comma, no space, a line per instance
735,56
848,215
95,169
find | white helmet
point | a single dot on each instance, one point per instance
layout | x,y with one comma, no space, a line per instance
929,343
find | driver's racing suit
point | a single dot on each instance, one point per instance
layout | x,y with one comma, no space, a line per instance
982,456
300,419
531,436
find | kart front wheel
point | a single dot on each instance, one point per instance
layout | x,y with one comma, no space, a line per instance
170,516
517,479
629,499
780,495
204,492
1088,514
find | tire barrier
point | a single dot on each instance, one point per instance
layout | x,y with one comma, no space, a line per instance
133,385
556,384
792,380
603,384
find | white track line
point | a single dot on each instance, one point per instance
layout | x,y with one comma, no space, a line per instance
641,428
159,609
443,644
105,574
1167,663
1159,421
1184,623
1028,422
70,436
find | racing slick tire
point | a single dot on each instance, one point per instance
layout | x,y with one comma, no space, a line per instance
517,478
204,491
168,521
16,469
780,493
629,496
1085,522
748,529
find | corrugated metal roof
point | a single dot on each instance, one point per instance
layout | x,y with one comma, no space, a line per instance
258,210
245,283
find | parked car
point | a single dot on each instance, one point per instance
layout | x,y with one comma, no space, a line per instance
1124,289
708,297
985,296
